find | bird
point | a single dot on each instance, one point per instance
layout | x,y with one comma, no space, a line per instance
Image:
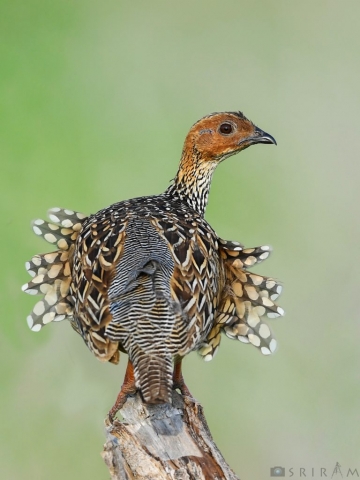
149,277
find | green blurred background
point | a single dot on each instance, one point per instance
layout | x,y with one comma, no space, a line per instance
95,101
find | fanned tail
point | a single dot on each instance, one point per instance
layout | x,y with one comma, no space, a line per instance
51,272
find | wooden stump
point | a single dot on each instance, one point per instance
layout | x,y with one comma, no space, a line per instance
163,442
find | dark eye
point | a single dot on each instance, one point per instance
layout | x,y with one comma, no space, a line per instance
226,128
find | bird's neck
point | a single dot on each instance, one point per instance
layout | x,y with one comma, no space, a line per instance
192,182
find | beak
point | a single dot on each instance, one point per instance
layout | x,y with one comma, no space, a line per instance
259,137
263,137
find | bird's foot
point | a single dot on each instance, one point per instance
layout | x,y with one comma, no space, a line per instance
120,402
128,388
178,379
185,392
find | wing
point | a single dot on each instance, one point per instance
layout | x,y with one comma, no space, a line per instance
198,276
51,272
246,298
98,249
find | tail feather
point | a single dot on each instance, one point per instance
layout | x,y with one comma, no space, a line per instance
51,272
145,319
153,376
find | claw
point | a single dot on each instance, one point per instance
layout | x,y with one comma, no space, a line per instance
178,379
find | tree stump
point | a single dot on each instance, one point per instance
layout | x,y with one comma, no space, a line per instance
163,442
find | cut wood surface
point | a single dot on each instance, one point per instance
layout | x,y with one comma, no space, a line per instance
163,442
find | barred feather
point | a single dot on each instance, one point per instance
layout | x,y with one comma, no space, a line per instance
150,277
145,320
153,376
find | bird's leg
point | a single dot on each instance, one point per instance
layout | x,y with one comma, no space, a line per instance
178,379
128,387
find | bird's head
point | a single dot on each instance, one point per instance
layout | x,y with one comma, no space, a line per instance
220,135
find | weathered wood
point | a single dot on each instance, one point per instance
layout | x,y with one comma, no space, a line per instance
163,442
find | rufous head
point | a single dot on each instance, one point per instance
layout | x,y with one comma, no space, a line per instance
220,135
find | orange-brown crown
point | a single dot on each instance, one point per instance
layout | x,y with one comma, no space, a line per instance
219,135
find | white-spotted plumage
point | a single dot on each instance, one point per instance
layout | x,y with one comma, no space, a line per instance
246,299
52,272
150,277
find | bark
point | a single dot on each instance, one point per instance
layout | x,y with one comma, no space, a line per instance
163,442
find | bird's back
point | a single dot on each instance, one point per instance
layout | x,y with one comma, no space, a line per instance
146,280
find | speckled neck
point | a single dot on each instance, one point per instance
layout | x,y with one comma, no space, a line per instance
192,181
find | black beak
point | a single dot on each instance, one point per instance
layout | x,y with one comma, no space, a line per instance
263,137
259,137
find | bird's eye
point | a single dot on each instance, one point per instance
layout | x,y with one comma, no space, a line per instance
226,128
